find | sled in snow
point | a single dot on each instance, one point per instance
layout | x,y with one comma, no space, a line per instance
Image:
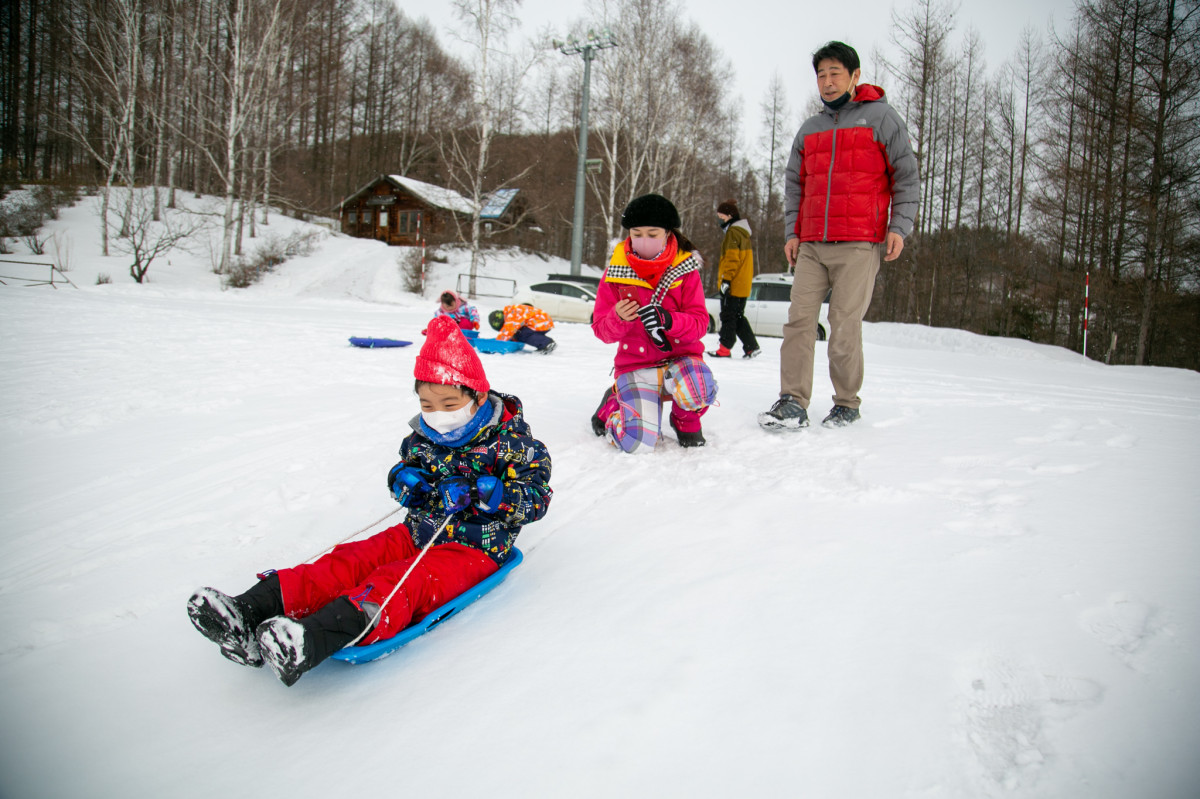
466,333
375,343
379,649
492,345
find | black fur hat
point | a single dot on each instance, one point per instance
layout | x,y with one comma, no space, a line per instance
650,210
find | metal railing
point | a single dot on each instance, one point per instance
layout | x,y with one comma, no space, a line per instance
36,281
482,284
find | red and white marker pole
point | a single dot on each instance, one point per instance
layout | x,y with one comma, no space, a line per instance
1086,284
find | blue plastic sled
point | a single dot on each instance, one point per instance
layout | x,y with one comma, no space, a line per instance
492,345
379,649
374,343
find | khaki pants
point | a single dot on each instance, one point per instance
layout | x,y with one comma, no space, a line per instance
849,268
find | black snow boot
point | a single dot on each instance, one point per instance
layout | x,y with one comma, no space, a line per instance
841,416
230,621
293,646
597,422
785,414
695,439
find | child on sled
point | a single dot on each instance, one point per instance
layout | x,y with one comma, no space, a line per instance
471,474
651,305
461,312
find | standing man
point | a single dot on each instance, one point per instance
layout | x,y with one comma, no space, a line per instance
736,270
848,164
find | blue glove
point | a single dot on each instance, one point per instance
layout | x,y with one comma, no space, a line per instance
657,320
491,493
408,485
455,493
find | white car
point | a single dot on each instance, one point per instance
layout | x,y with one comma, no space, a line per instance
564,300
767,307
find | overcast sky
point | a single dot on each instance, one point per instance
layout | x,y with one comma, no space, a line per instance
761,37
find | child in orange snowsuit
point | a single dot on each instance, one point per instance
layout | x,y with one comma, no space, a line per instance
525,324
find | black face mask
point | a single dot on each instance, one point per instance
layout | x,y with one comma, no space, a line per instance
835,105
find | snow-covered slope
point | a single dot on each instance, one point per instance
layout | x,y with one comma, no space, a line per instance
987,588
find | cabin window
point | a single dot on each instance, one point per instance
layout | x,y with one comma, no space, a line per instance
351,217
406,221
383,218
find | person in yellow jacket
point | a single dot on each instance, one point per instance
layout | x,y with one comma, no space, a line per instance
736,271
525,324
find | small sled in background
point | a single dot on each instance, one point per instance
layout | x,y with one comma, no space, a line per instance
377,343
492,345
379,649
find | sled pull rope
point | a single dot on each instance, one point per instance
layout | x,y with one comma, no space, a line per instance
379,613
313,557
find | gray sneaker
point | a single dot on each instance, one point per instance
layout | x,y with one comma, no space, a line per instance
785,414
841,416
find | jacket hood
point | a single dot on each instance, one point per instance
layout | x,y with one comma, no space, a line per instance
742,223
867,93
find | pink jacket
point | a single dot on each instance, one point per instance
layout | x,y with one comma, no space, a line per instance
684,300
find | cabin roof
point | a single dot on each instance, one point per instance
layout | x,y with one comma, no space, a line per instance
494,205
435,196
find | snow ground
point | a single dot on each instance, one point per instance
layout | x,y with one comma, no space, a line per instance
987,588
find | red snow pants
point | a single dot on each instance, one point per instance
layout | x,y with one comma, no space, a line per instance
366,572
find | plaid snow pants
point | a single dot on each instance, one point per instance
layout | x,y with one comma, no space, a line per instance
633,415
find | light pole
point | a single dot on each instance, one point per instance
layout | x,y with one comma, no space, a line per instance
587,48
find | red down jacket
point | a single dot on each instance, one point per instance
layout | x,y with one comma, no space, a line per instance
846,168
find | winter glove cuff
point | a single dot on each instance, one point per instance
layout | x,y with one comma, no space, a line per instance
408,485
490,490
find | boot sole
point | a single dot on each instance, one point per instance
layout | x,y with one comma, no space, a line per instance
281,642
768,422
213,621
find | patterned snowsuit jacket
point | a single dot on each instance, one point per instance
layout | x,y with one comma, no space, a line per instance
506,448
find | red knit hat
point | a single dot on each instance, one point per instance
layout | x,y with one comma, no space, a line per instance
448,359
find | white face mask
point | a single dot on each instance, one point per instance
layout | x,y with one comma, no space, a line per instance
448,421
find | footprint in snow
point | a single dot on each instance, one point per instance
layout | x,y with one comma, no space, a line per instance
1004,705
1125,625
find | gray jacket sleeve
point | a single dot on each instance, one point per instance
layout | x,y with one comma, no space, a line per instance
906,187
791,186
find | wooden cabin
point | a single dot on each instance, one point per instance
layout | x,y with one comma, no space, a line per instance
391,207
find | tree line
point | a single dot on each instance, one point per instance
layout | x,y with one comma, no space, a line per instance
1076,156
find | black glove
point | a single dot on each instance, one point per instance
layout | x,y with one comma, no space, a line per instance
725,286
657,320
